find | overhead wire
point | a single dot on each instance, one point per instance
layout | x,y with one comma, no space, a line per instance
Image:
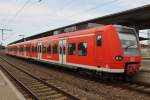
95,7
18,12
90,9
70,2
61,9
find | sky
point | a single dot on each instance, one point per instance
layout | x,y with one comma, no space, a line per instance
30,17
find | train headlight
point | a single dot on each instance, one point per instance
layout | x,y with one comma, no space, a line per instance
118,58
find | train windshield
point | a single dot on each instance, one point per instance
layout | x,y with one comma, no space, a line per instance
129,41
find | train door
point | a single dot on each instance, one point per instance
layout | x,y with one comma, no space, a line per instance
98,48
62,51
24,49
39,51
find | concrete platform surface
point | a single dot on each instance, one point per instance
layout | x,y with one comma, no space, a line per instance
144,74
146,58
7,90
146,65
143,77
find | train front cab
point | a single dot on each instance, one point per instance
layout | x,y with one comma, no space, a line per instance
118,51
131,49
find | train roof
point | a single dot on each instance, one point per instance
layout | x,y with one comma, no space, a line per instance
78,32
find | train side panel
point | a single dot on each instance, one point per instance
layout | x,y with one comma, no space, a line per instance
83,53
97,49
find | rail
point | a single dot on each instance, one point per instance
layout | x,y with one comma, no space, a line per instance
30,84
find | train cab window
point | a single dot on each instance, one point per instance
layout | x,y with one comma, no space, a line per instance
82,49
99,40
71,49
49,49
55,49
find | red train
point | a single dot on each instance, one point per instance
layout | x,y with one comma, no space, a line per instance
107,49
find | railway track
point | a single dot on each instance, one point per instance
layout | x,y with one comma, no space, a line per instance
34,86
137,86
133,86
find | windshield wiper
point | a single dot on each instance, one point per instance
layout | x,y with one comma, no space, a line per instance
129,46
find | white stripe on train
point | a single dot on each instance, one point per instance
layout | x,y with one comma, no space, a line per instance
83,66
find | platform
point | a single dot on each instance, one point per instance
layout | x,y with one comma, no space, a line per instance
146,58
7,90
146,65
144,75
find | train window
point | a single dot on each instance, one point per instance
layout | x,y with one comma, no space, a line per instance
82,49
71,49
32,49
64,49
49,49
40,49
35,49
99,40
44,49
24,49
60,49
27,49
21,49
55,49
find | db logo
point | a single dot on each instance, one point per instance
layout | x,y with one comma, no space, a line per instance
132,59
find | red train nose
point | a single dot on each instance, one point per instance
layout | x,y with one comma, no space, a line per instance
132,69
